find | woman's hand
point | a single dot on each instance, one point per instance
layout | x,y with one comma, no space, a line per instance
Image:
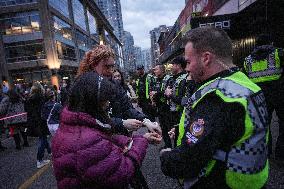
132,124
153,138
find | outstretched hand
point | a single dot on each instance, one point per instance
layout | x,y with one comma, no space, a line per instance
153,126
153,138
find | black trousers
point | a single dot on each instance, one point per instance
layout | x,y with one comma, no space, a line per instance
166,125
148,110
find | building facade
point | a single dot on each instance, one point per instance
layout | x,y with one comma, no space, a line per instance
43,39
112,11
146,59
128,50
154,36
138,56
243,20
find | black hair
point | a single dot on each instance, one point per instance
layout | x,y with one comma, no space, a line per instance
179,60
14,95
121,75
87,94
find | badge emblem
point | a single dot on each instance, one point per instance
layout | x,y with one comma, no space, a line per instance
197,127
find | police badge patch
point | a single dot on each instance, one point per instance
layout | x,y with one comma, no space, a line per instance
197,127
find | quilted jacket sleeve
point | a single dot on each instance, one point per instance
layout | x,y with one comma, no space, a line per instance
110,166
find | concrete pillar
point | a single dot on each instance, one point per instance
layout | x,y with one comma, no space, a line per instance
3,63
49,43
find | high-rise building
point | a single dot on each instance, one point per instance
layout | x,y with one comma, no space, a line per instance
43,39
128,49
112,11
138,56
146,59
154,35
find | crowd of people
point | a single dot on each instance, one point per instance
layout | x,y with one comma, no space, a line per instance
212,117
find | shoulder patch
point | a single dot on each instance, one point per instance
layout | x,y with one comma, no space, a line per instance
197,127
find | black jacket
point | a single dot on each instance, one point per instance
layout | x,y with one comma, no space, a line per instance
141,90
181,89
223,126
122,108
33,107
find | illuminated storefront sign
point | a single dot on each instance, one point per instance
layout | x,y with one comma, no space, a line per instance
226,24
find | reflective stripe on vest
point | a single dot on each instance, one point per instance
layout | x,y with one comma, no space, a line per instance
147,88
137,87
174,106
247,164
146,85
268,69
164,83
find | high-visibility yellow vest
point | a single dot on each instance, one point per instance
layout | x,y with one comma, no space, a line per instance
247,163
268,69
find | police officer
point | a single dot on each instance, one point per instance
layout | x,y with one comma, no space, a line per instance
158,98
176,90
143,87
225,121
264,66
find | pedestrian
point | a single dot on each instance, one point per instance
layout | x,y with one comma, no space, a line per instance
64,91
12,106
2,114
86,152
51,112
224,143
37,125
264,66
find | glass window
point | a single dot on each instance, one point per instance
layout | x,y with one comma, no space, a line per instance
79,16
62,28
92,24
61,6
20,23
81,54
4,3
24,51
64,51
82,39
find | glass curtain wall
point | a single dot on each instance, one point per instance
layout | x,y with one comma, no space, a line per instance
78,12
92,24
62,28
24,51
5,3
61,6
20,23
65,51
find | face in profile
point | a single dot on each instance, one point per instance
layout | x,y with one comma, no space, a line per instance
117,76
105,67
194,64
157,71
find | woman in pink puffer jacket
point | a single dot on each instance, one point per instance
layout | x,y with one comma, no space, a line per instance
86,154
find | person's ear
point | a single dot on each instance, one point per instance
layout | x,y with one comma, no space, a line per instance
206,58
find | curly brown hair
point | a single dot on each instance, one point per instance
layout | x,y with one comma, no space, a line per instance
93,57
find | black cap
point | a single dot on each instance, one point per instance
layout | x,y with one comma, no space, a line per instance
140,67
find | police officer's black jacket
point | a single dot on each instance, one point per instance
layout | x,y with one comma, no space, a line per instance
181,88
223,126
161,105
142,89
